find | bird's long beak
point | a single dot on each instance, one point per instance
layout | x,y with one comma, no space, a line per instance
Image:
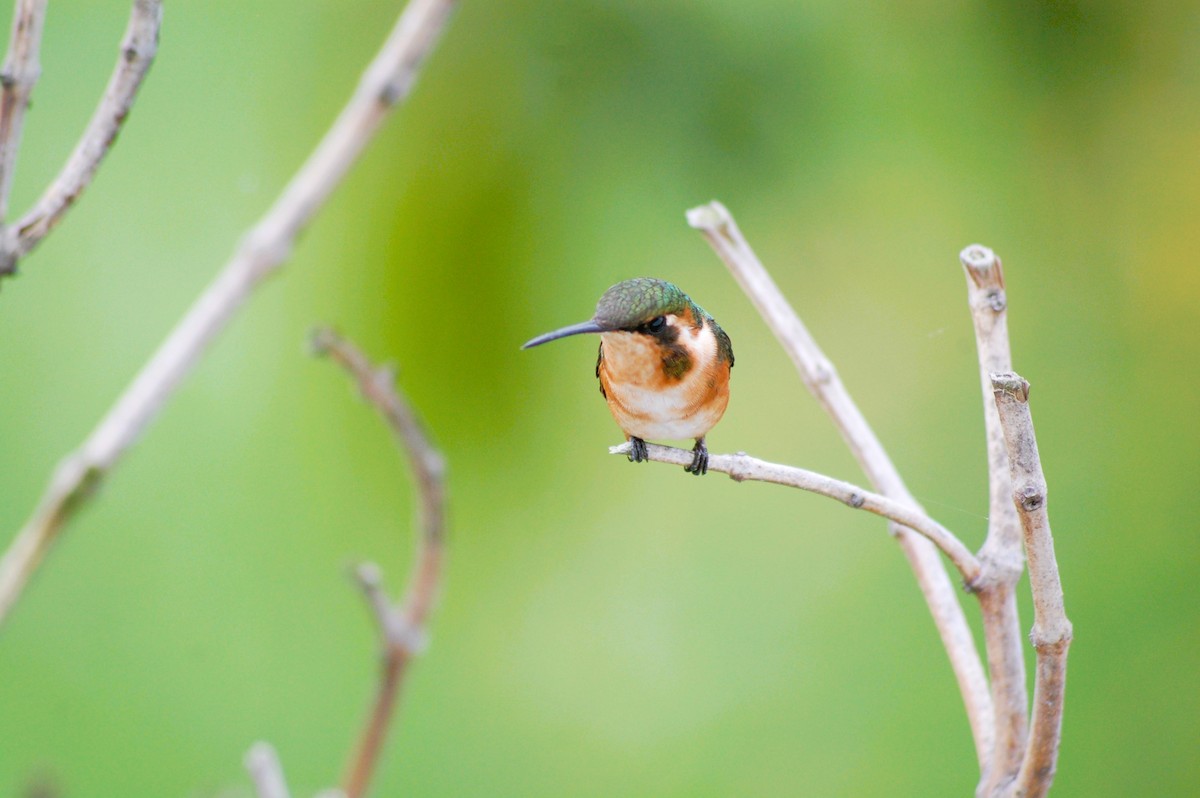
574,329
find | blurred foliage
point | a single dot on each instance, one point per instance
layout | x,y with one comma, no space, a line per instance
606,629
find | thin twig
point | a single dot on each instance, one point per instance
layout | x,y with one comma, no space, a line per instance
1001,556
741,467
402,629
138,48
819,375
17,77
387,80
265,771
1052,633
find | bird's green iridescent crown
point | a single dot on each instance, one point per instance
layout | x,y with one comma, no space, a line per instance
636,301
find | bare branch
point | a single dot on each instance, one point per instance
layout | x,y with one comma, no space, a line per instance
1052,632
265,771
742,467
402,629
819,375
138,48
17,77
387,80
1000,556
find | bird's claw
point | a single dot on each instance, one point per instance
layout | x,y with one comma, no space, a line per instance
699,465
637,450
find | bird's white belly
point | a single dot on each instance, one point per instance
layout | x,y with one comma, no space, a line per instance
667,414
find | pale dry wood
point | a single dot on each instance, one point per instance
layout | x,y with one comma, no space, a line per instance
741,467
138,48
1052,632
17,78
387,80
402,627
1001,557
822,380
262,763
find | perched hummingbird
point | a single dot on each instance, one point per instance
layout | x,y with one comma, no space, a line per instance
663,365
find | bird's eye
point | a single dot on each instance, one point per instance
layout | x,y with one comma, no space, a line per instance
656,324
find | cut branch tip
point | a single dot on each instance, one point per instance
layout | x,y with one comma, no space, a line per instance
985,270
1011,384
977,256
708,217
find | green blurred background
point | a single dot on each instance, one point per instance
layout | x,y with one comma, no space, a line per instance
606,629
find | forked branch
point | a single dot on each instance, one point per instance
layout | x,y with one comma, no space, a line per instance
741,467
264,249
1014,760
138,48
401,628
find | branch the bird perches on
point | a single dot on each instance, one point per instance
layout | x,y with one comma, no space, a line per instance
741,467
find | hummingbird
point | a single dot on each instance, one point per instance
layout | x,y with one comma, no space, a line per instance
663,364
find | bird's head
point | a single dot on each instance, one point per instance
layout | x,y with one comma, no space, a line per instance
643,305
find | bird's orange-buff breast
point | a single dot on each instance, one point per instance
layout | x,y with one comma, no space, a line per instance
650,402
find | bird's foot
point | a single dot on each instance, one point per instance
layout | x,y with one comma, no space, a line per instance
699,465
637,450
